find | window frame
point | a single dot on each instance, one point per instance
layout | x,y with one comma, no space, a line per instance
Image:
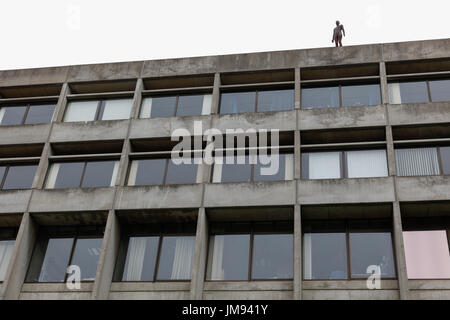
427,83
5,174
439,158
100,108
27,111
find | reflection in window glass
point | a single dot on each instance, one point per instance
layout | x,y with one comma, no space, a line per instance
321,165
175,262
228,257
237,102
371,248
147,172
190,105
56,260
81,111
445,159
408,92
276,100
427,254
20,177
233,169
6,249
140,262
327,97
181,173
162,107
272,256
325,256
440,90
65,175
85,255
12,115
98,174
417,161
40,114
366,163
362,95
281,168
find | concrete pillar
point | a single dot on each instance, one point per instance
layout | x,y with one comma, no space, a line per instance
297,253
137,99
62,102
297,90
107,259
383,84
297,155
200,255
400,252
21,256
390,152
39,177
216,94
123,164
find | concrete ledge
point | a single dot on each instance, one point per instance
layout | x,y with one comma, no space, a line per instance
55,287
54,291
14,201
346,285
104,71
249,285
346,191
247,295
150,286
25,134
281,120
416,113
429,284
90,130
423,188
150,295
146,197
350,295
416,50
249,194
326,118
76,199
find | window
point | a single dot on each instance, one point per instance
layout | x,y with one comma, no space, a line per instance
440,90
419,91
6,249
422,161
17,176
341,96
53,254
239,169
181,105
82,174
250,255
345,249
162,172
257,101
348,164
92,110
26,114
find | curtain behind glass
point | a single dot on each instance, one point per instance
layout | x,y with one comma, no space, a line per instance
417,161
366,163
6,248
135,258
182,261
324,165
116,109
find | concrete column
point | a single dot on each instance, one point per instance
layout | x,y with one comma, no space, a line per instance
400,252
297,155
123,165
18,266
383,83
297,90
137,99
62,102
390,152
107,259
216,94
39,177
200,255
297,253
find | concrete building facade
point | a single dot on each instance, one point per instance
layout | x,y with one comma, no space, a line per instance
404,202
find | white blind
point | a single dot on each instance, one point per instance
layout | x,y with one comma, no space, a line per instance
116,109
417,161
324,165
366,163
81,111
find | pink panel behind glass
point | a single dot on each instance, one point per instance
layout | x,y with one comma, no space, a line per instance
427,254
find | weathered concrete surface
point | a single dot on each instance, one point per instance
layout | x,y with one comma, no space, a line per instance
261,290
423,188
417,113
149,290
363,294
14,200
54,291
90,130
26,134
429,289
282,120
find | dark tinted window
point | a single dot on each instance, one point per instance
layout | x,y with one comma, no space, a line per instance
234,172
190,105
272,256
175,262
440,90
163,107
40,114
413,92
276,100
237,102
150,172
140,262
278,175
445,159
20,177
327,97
13,115
69,174
181,173
85,256
55,260
362,95
98,174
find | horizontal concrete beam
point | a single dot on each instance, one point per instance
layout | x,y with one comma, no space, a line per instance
426,188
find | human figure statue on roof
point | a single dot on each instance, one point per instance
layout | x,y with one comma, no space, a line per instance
337,34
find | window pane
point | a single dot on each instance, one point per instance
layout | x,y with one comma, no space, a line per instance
81,111
366,163
272,256
277,165
427,254
190,105
40,114
2,172
116,109
85,255
6,249
237,102
182,173
445,159
13,115
365,95
228,257
325,256
440,90
277,100
98,174
408,92
148,172
327,97
175,262
56,260
417,161
20,177
322,165
162,107
232,171
69,174
368,249
141,259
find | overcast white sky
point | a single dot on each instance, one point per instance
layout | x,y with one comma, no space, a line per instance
39,33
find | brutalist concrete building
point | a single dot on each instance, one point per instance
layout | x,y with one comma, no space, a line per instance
93,207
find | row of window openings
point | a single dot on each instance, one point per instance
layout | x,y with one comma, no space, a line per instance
327,255
315,165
